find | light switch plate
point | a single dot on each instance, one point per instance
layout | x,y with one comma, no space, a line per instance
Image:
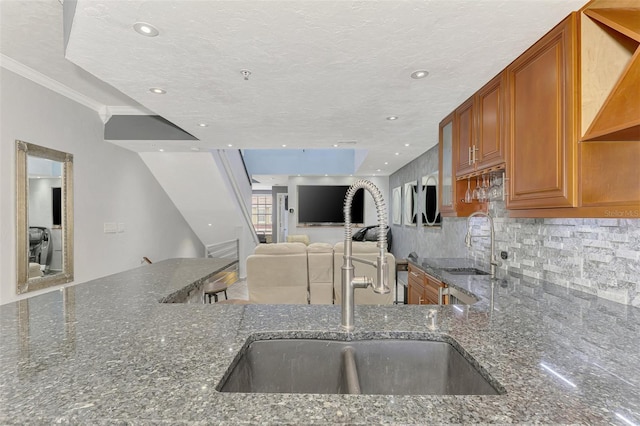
110,227
120,227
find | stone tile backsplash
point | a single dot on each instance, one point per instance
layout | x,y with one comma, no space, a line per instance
597,256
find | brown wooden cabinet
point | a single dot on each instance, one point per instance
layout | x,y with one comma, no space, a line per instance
542,121
479,123
611,72
446,172
564,120
464,140
423,288
490,122
451,191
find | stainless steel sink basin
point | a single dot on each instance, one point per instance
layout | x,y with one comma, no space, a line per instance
384,366
465,271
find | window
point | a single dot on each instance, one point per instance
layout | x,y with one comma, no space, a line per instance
261,206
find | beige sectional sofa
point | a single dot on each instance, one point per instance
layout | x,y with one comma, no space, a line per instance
278,273
294,273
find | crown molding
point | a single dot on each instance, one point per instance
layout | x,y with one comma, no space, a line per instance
41,79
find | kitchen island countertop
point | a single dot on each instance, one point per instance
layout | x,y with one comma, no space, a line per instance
108,351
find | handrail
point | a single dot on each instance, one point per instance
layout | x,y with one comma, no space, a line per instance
236,192
224,250
246,172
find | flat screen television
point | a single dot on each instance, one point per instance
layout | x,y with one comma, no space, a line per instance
324,205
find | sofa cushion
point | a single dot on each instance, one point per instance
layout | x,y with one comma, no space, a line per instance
280,248
278,273
319,248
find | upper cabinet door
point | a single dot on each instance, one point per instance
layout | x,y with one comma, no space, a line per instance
479,141
542,133
446,181
464,138
489,110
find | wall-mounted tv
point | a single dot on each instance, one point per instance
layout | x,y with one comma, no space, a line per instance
324,205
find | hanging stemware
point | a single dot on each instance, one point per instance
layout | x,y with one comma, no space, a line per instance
476,190
482,192
468,196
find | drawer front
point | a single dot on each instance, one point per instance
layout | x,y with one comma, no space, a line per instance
431,291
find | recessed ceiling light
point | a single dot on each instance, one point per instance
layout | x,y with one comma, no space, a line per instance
335,145
397,153
229,145
386,162
203,125
378,170
157,91
419,74
407,144
284,146
195,148
145,29
210,224
161,150
326,175
393,117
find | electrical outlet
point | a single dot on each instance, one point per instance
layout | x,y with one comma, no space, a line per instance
120,227
504,255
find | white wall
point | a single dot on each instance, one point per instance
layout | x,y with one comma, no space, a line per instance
111,184
331,234
202,192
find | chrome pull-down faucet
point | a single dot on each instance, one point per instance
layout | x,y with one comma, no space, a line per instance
493,263
349,282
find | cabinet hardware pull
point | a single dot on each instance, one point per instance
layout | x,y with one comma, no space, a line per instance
470,162
420,300
475,149
505,180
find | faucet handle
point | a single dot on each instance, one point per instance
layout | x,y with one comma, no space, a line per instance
381,286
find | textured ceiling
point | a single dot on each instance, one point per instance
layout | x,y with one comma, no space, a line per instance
31,33
322,71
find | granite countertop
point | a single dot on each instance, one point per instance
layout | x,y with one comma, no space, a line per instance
108,352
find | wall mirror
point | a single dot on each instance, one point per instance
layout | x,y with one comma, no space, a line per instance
429,200
44,217
411,203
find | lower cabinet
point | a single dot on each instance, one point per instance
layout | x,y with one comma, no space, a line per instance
423,288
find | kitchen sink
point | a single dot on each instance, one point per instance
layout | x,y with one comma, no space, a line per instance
465,271
377,366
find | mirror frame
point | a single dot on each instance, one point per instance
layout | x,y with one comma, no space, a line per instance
396,205
410,211
433,177
24,283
